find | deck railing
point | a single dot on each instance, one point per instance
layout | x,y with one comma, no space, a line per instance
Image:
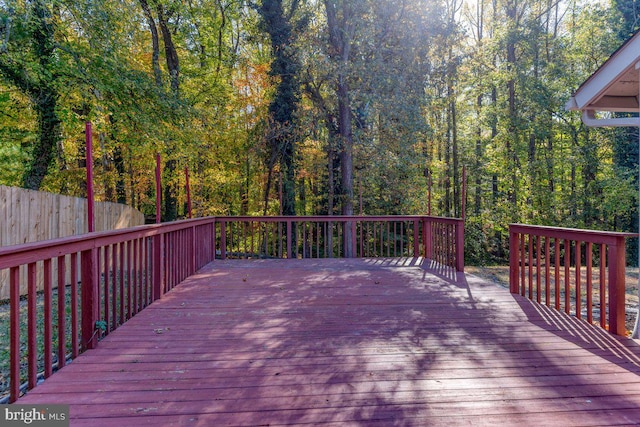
439,239
104,279
577,271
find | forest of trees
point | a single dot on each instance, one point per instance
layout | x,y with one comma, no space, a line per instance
321,107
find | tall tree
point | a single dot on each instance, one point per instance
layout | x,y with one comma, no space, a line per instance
29,60
281,27
341,25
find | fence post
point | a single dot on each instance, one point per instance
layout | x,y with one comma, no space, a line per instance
617,261
514,244
90,304
460,245
158,288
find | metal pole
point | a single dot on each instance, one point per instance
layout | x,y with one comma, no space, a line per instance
158,189
429,195
464,192
88,131
186,173
361,209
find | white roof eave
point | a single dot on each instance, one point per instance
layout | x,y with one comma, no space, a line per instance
591,94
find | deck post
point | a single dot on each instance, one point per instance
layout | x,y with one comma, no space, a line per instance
213,240
223,240
514,244
459,228
194,245
354,241
91,220
617,261
428,238
90,304
416,239
289,239
158,286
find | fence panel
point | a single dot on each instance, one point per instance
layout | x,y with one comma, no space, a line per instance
28,216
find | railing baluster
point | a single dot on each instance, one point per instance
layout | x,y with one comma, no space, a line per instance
90,264
603,289
557,273
122,275
14,344
538,278
106,279
567,276
547,273
130,305
137,288
75,347
48,319
589,261
114,286
578,289
530,266
62,331
523,267
32,348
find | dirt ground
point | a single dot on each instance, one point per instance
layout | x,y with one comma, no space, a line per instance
499,274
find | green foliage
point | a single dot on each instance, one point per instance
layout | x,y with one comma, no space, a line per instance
431,87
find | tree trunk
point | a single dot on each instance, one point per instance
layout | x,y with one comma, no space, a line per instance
155,42
173,66
479,162
41,90
173,63
340,37
282,108
48,135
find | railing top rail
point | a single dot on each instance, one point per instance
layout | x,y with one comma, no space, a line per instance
592,236
15,255
321,218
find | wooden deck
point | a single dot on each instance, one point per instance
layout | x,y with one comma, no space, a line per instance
348,342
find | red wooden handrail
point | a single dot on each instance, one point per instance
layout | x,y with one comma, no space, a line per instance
537,253
120,272
440,239
123,271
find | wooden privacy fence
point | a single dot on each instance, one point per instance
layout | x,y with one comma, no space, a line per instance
108,277
577,271
31,216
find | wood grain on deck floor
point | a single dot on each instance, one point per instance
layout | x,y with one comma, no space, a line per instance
348,342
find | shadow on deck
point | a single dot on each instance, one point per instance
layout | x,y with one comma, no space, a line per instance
348,342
